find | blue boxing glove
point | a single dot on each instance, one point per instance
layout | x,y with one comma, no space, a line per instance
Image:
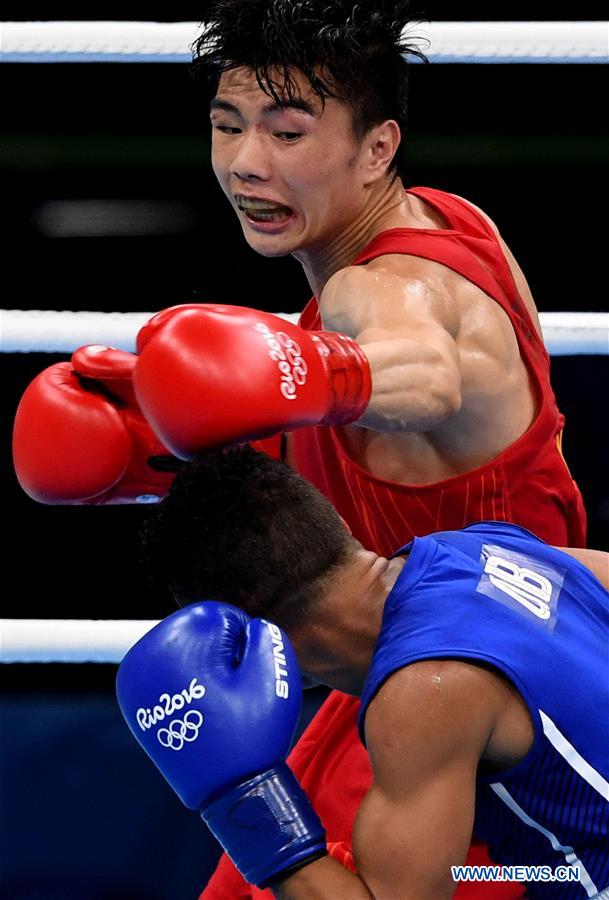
213,697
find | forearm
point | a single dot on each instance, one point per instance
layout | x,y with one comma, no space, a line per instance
324,879
415,387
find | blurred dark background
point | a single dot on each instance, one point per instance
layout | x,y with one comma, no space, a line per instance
109,204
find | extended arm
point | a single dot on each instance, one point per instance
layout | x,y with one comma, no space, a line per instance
216,375
406,328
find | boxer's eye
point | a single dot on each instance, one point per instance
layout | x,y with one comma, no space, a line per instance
226,129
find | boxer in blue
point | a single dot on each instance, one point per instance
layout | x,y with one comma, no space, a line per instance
480,656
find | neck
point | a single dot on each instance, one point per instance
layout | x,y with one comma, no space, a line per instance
337,648
386,202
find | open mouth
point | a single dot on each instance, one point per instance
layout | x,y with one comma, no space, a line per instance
263,210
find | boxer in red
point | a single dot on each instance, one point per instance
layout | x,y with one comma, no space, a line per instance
385,264
446,415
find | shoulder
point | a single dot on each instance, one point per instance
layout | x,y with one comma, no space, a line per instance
418,272
432,710
387,289
596,561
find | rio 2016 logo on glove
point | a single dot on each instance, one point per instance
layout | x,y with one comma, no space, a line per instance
286,352
180,731
169,704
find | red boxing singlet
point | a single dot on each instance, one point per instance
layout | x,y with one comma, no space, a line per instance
528,484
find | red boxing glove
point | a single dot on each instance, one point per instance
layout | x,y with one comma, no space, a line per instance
213,375
79,435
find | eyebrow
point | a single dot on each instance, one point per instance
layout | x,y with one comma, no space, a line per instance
270,108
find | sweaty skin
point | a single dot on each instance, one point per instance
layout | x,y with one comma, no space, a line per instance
450,390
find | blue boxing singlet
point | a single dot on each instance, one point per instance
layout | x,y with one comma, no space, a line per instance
494,592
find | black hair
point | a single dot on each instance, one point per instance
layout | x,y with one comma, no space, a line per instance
355,52
242,528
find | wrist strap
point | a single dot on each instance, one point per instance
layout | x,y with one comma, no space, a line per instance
348,370
266,825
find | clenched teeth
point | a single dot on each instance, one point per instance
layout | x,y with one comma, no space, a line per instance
261,206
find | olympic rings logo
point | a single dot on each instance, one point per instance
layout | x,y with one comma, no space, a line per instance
180,731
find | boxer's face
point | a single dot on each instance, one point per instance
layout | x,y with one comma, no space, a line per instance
295,175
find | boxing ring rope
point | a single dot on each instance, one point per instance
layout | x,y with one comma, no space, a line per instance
69,640
443,42
54,331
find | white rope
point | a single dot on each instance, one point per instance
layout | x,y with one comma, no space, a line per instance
570,334
62,331
69,640
443,42
51,331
